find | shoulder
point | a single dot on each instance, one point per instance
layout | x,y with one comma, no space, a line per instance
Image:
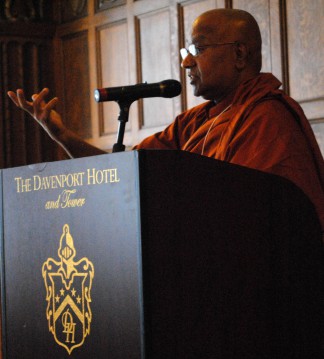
274,112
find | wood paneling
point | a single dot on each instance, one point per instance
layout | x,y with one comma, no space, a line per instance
318,128
14,132
107,4
306,54
305,57
155,30
104,43
113,70
25,63
155,49
73,9
266,13
76,82
188,11
28,10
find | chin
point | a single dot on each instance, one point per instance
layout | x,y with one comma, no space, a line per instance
199,92
205,96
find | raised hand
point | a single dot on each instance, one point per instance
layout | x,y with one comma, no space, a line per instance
51,121
41,111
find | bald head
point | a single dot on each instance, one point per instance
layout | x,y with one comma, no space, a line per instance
234,25
227,52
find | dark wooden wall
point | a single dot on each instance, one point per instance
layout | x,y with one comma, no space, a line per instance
26,61
76,46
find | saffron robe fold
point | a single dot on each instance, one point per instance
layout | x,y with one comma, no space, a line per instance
257,126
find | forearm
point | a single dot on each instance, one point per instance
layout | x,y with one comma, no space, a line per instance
76,147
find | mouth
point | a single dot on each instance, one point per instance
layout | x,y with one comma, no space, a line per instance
192,78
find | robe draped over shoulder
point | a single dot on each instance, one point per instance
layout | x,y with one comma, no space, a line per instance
257,126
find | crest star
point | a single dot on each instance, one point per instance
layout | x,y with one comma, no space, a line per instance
78,299
57,298
62,292
73,291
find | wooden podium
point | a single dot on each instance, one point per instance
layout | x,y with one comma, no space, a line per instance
158,254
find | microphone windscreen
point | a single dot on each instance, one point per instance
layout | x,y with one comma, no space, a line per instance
170,88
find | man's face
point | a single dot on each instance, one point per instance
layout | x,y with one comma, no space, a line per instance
212,71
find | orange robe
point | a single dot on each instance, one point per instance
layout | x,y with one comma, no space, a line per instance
257,126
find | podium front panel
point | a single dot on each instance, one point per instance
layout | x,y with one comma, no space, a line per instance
71,260
159,254
233,262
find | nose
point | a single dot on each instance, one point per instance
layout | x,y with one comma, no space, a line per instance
188,62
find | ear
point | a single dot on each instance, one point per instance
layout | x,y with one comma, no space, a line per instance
241,52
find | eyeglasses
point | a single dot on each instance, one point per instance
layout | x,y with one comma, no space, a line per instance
195,50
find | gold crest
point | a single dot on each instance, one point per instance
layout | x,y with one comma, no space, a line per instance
68,294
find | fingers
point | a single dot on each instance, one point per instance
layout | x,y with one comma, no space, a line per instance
39,101
47,108
19,97
22,101
52,103
40,97
13,97
37,107
19,100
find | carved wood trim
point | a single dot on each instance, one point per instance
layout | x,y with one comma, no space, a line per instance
139,74
23,30
73,9
182,44
284,45
108,4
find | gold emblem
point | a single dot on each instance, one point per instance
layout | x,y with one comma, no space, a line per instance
68,294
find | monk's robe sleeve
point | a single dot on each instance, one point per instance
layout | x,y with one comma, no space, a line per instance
167,139
175,136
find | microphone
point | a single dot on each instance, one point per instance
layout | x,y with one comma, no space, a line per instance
166,88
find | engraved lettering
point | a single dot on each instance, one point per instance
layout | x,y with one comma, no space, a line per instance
105,176
23,185
67,201
53,204
58,181
69,326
